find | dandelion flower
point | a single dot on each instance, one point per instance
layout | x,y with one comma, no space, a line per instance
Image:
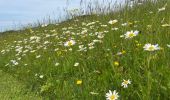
112,95
131,34
150,47
125,83
69,43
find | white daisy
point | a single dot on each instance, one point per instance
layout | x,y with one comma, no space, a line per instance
168,45
131,34
125,83
113,21
69,43
112,95
150,47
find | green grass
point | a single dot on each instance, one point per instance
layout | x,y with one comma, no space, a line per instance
12,89
148,71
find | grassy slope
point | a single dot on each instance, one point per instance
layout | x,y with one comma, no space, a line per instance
149,72
11,89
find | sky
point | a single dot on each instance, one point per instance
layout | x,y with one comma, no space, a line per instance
17,13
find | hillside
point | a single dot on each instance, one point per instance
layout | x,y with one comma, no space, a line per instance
12,89
85,57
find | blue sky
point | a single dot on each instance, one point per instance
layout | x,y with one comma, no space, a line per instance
14,13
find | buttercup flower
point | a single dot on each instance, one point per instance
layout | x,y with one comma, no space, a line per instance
116,63
79,82
112,95
150,47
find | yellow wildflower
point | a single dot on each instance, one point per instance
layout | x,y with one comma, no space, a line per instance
116,63
79,82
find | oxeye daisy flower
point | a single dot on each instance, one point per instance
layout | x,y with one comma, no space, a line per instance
69,43
125,83
168,45
113,21
150,47
131,34
112,95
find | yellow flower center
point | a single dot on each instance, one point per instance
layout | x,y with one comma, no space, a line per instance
131,34
126,82
151,48
112,97
69,43
123,52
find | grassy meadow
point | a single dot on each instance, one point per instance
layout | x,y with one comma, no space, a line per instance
84,57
